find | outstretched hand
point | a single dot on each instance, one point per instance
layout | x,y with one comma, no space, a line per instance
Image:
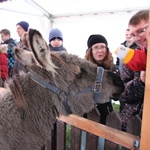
124,53
121,51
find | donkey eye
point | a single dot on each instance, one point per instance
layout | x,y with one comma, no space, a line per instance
42,50
79,75
33,61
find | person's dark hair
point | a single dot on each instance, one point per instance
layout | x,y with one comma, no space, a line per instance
139,16
107,62
5,32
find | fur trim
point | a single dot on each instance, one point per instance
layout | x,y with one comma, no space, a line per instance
3,48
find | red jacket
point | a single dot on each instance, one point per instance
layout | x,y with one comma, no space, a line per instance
138,61
3,63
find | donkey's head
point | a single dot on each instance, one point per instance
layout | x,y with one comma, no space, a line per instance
78,77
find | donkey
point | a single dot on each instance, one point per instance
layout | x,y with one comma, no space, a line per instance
52,84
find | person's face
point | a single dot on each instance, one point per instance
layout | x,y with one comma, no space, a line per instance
20,30
4,37
56,42
128,36
140,33
99,51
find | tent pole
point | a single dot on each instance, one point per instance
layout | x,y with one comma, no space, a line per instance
37,6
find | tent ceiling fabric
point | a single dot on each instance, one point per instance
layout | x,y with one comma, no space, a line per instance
64,7
58,8
20,6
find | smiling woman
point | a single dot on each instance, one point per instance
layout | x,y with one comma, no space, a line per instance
98,53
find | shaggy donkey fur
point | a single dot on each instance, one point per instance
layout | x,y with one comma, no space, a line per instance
28,110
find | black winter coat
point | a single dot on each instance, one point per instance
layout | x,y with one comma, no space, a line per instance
134,87
133,95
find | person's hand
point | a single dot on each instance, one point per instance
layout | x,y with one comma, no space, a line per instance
143,76
122,52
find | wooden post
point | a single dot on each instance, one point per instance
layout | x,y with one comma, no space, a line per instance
145,131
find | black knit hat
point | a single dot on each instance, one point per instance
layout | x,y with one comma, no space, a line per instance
96,38
24,25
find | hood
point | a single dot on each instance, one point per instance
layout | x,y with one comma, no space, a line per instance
3,48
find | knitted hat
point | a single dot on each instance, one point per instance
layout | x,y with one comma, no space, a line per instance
24,25
96,38
55,33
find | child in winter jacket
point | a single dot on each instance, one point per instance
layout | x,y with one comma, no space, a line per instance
11,43
3,64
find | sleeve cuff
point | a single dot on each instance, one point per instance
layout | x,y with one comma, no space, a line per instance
129,56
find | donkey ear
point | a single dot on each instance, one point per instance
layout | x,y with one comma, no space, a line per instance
41,51
25,57
39,47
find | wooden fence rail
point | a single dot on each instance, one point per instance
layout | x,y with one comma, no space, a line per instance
87,133
125,139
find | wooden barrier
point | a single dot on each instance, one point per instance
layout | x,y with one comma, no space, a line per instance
145,131
125,139
79,133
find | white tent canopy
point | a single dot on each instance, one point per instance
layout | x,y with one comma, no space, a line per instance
77,19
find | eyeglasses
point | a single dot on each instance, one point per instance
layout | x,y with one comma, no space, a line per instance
140,32
96,48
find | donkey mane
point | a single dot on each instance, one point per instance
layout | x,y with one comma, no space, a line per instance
16,90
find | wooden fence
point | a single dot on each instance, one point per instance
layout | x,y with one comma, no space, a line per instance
145,131
89,134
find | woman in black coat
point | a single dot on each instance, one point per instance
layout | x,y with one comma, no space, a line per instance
99,53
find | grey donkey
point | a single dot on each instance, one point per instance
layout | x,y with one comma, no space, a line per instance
51,85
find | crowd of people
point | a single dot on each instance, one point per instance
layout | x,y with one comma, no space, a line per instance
130,65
